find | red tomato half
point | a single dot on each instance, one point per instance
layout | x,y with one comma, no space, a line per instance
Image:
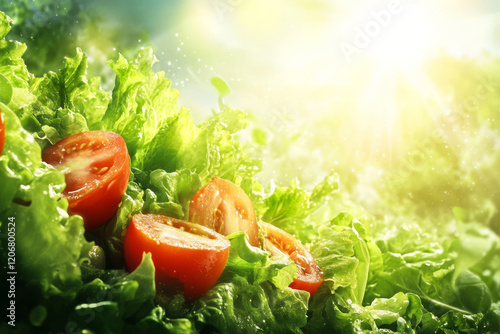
187,252
2,132
278,242
224,207
96,166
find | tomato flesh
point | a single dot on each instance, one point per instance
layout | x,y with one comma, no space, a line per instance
224,207
183,251
278,242
2,132
96,165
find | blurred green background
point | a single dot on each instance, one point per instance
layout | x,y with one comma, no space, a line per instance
401,98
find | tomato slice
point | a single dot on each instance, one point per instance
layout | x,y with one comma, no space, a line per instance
224,207
278,242
96,166
2,132
182,251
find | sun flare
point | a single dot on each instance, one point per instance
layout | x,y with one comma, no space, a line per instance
406,41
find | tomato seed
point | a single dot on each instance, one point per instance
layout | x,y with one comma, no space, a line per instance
103,170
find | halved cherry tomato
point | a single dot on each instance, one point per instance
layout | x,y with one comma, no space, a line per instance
2,132
224,207
278,242
190,253
96,166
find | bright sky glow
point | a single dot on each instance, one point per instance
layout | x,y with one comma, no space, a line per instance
315,62
406,40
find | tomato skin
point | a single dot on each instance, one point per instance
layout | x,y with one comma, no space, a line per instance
98,174
177,254
224,207
2,132
278,242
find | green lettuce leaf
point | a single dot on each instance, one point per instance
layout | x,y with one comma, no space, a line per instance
402,313
141,103
169,194
70,88
236,305
343,257
208,149
159,135
256,265
120,302
415,262
157,322
452,323
491,319
5,90
288,208
51,245
16,78
67,102
473,244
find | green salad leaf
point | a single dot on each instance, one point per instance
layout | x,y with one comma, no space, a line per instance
5,90
50,246
237,305
141,103
256,265
289,208
13,69
169,194
30,195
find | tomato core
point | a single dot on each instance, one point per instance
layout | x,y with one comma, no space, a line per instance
224,207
